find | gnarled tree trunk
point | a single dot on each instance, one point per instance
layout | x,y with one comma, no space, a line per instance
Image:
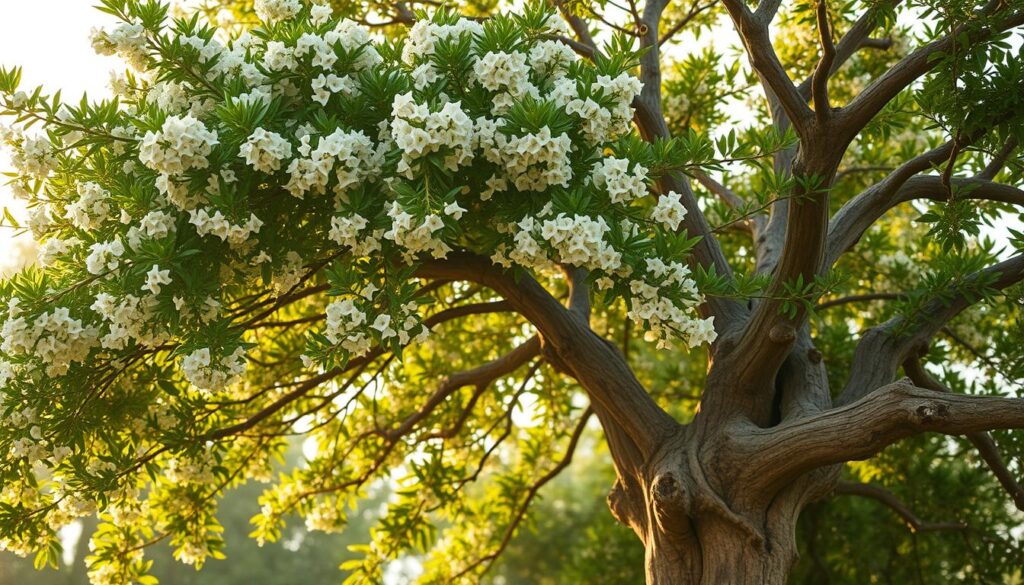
700,521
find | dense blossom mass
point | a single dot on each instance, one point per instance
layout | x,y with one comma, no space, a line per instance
235,163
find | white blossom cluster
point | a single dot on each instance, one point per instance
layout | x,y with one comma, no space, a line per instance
104,256
347,157
418,132
127,40
348,232
209,372
91,208
265,150
577,241
217,225
346,327
424,34
182,144
128,317
669,210
276,10
531,162
54,338
416,236
600,123
551,59
36,157
663,318
612,174
506,74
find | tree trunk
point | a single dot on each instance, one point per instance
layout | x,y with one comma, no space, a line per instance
702,523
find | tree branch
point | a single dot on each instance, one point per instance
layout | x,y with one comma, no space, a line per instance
857,214
856,38
728,196
480,376
850,223
860,430
859,298
753,31
881,351
531,493
982,441
819,79
998,160
890,500
591,360
863,108
651,123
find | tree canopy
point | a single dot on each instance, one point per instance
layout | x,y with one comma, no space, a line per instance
436,241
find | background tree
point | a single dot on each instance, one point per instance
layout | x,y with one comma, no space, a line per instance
431,253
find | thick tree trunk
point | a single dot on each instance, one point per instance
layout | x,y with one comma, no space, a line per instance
702,522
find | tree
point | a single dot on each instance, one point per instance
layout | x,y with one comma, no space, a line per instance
418,249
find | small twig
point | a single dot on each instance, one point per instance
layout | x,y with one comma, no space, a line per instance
889,499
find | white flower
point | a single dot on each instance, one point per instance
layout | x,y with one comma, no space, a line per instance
320,13
454,211
416,237
209,373
347,157
532,162
346,231
182,144
271,11
104,256
669,211
54,338
127,40
91,208
612,175
157,224
155,278
418,132
265,150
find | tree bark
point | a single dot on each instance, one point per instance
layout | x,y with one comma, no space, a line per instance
700,526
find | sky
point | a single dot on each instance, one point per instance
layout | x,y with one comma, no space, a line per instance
49,39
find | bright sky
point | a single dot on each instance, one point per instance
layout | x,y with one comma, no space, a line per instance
50,40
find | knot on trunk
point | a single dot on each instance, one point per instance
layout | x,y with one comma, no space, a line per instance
814,355
782,333
670,503
929,412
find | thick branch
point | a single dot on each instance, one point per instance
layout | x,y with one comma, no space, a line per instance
753,31
881,350
651,123
861,429
857,215
593,361
982,441
856,38
770,332
479,376
861,212
890,500
863,108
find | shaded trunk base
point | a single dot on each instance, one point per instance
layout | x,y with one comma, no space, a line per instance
701,528
721,555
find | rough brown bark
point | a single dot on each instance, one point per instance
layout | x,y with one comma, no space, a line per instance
699,525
